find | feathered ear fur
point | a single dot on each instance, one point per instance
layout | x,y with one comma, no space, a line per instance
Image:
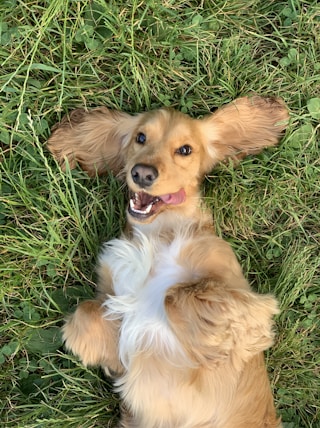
243,127
215,323
94,139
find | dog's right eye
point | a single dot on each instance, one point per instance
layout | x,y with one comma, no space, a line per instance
185,150
141,138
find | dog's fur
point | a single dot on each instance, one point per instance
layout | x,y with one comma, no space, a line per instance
174,321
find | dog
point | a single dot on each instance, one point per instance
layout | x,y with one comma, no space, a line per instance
174,321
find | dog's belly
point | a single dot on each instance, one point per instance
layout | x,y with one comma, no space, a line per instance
158,383
164,396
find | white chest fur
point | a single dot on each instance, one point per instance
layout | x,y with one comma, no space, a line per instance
142,270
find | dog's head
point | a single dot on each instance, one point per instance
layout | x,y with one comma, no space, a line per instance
164,153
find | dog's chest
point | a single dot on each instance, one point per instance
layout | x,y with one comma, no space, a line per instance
142,271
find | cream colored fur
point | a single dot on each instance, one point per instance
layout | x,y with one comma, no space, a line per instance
174,321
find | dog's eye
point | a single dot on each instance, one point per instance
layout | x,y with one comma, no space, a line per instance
185,150
141,138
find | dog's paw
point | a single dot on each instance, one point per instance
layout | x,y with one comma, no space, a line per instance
215,323
92,338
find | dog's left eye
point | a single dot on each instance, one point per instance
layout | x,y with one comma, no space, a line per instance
185,150
141,138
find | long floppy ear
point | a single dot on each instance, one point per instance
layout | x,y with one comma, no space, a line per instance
216,324
243,127
94,139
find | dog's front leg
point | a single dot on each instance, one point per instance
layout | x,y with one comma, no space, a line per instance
224,330
212,320
92,337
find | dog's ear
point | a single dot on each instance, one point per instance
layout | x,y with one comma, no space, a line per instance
243,127
216,324
94,139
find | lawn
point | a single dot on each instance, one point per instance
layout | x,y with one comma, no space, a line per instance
57,55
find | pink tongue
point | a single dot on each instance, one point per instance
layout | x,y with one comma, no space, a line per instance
174,198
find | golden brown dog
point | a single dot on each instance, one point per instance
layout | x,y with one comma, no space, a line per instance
174,321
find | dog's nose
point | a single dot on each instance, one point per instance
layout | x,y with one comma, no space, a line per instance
144,175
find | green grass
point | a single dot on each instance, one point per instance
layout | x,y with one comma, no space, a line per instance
60,54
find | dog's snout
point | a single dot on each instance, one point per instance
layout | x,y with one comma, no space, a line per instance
144,175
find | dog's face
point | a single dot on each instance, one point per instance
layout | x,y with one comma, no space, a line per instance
163,163
165,153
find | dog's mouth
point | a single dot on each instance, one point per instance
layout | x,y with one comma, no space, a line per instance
142,205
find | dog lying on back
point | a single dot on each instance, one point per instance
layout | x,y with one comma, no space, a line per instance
174,320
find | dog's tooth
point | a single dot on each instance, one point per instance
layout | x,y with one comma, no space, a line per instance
134,209
131,204
148,209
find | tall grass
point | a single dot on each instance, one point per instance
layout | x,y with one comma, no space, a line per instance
60,54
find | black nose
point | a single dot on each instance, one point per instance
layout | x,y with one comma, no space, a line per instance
144,175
